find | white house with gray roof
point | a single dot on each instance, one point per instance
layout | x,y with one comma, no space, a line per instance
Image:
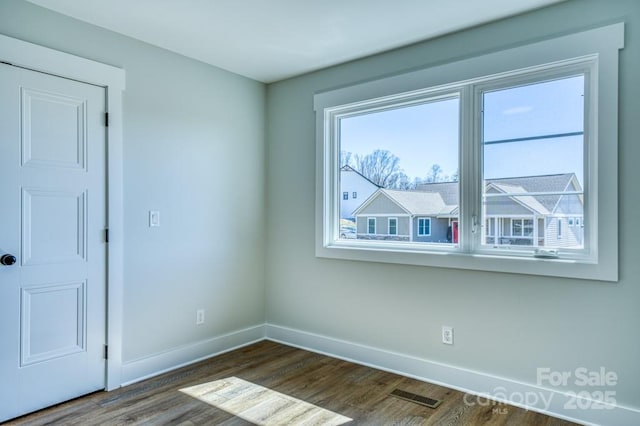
354,190
533,210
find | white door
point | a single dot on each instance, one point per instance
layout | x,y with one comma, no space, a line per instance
52,220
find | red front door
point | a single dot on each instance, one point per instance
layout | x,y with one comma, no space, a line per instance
454,226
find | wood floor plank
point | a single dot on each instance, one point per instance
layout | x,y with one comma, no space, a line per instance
275,384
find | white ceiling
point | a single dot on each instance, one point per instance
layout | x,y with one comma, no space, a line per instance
270,40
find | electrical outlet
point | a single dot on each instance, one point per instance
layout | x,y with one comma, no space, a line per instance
154,218
447,335
200,317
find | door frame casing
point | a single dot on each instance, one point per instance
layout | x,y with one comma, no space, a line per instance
43,59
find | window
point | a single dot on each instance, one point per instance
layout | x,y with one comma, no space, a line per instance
354,195
345,195
578,223
570,221
393,226
424,226
371,225
559,229
408,151
518,139
533,138
522,227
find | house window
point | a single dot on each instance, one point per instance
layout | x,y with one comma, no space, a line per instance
522,227
570,221
424,227
371,225
516,227
393,226
525,132
559,229
345,195
578,221
354,195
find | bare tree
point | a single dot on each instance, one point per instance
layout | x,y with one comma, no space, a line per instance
382,168
434,175
346,159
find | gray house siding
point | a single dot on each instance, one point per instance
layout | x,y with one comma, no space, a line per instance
382,228
505,206
569,237
383,205
569,205
439,229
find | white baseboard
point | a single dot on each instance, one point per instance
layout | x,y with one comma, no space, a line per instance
153,365
529,396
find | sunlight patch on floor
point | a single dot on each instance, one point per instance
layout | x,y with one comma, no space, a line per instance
261,405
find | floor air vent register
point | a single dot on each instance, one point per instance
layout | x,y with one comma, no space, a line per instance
414,397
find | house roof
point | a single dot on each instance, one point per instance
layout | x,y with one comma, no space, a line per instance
441,198
527,200
447,190
415,203
542,183
351,169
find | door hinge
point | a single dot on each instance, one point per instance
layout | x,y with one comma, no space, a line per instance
106,119
106,351
106,235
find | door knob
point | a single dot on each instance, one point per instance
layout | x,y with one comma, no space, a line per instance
8,259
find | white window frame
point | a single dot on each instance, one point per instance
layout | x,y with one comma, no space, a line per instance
597,48
395,219
428,219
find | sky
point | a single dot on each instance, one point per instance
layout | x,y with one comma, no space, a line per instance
427,134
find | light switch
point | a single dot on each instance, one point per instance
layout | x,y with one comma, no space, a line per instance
154,218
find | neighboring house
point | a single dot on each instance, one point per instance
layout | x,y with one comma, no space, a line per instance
406,216
532,210
553,220
354,190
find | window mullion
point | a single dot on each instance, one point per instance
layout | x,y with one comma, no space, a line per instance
469,211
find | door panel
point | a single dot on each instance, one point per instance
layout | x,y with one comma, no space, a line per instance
52,129
44,340
52,218
53,226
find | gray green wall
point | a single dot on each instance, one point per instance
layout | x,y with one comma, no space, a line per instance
505,325
194,149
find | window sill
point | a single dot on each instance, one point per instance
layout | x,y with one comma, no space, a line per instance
450,257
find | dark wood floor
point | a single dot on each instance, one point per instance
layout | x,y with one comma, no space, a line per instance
351,390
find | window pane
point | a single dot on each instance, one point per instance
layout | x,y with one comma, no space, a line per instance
402,162
516,227
393,226
533,163
372,226
545,108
